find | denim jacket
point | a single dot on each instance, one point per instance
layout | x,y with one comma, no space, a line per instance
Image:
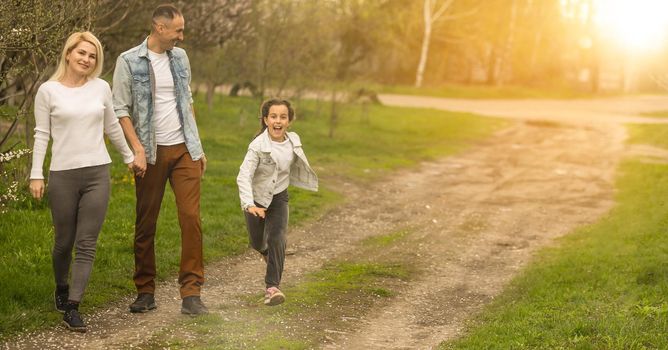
134,96
259,170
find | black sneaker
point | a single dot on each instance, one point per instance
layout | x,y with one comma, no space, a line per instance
144,303
193,305
60,298
72,320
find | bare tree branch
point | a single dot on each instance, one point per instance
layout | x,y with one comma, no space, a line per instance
101,30
444,7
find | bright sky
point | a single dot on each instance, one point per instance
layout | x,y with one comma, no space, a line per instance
638,25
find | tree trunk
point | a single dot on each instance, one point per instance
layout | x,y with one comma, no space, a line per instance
491,66
594,61
537,42
540,12
419,75
505,68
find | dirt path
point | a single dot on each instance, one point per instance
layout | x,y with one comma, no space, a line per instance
475,218
493,207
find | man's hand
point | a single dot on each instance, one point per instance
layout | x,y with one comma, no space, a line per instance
257,211
139,164
203,159
37,188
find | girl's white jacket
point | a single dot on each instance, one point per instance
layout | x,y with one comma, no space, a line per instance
259,170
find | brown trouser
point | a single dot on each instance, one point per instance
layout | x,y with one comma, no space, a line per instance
184,174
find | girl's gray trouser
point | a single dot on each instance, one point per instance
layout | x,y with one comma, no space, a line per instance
79,199
267,236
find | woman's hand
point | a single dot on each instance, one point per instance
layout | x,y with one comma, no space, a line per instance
37,188
256,211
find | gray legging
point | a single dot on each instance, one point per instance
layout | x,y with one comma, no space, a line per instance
267,236
79,199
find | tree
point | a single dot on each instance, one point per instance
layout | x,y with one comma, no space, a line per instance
431,13
211,25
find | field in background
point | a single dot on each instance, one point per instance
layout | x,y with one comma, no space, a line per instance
473,91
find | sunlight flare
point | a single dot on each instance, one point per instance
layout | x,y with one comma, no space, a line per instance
638,25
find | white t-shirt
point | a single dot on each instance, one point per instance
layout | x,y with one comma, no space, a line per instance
284,154
76,119
168,128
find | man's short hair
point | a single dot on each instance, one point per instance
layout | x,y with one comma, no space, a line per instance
166,11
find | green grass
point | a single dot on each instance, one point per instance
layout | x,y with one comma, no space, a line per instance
658,114
364,147
479,91
602,287
656,135
385,240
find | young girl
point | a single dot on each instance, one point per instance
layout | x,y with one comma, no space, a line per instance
74,109
275,159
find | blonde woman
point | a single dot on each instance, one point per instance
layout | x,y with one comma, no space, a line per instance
74,108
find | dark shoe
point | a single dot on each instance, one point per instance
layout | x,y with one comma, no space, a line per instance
144,303
193,305
60,298
72,320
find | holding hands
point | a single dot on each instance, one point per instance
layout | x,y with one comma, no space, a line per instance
139,164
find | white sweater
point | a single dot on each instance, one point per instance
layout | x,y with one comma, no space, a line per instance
77,119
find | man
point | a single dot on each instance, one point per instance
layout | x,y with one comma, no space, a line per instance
153,102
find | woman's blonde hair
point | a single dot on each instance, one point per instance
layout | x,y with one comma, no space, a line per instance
70,44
